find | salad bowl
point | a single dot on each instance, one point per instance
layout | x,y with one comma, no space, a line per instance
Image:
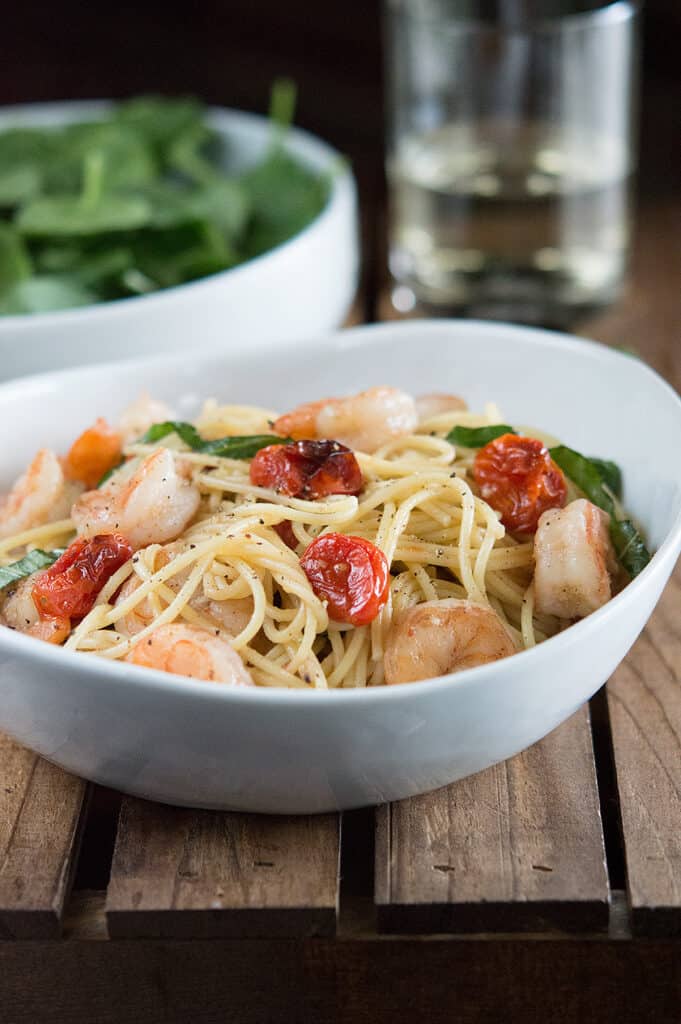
301,287
299,751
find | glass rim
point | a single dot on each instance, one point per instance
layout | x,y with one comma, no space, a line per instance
611,13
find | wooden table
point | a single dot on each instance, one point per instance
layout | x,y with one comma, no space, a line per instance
545,889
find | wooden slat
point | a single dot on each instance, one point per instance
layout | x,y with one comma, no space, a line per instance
41,807
517,847
181,873
644,698
360,981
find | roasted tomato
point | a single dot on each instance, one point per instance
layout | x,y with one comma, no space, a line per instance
350,574
94,453
307,469
519,479
69,588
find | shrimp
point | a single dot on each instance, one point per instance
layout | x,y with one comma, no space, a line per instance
152,506
428,406
19,611
142,414
438,637
364,421
190,651
41,495
574,560
232,616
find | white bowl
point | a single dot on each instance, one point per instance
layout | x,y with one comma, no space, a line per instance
300,288
300,751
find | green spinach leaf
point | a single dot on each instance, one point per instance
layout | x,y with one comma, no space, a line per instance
15,262
44,293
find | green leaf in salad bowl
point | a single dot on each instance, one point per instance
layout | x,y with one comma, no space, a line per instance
285,197
127,159
24,158
160,120
44,294
69,215
187,153
222,202
15,262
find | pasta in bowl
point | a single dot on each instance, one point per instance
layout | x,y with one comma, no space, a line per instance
259,576
351,542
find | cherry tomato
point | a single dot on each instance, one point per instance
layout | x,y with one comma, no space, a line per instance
519,479
94,453
307,469
69,588
350,574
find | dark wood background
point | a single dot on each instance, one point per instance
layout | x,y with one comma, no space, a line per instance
229,51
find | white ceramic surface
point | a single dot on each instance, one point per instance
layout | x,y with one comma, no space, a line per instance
301,288
299,751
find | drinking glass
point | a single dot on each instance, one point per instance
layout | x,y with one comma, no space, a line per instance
511,151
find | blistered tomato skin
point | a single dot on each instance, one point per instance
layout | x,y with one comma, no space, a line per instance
307,469
350,574
69,588
519,479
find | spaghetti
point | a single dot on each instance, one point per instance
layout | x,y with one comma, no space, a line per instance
237,569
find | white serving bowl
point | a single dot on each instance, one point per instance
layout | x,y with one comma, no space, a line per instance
293,751
300,288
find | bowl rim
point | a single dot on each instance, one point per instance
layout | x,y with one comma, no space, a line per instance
338,341
342,186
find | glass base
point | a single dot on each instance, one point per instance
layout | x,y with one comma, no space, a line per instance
514,306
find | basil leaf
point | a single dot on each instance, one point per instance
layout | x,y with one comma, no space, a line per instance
227,447
27,565
585,474
629,545
589,476
476,437
611,475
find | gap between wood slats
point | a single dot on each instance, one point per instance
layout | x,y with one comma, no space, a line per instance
644,698
607,789
180,873
518,847
41,810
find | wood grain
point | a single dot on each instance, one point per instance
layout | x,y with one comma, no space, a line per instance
364,981
644,698
517,847
181,873
40,814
